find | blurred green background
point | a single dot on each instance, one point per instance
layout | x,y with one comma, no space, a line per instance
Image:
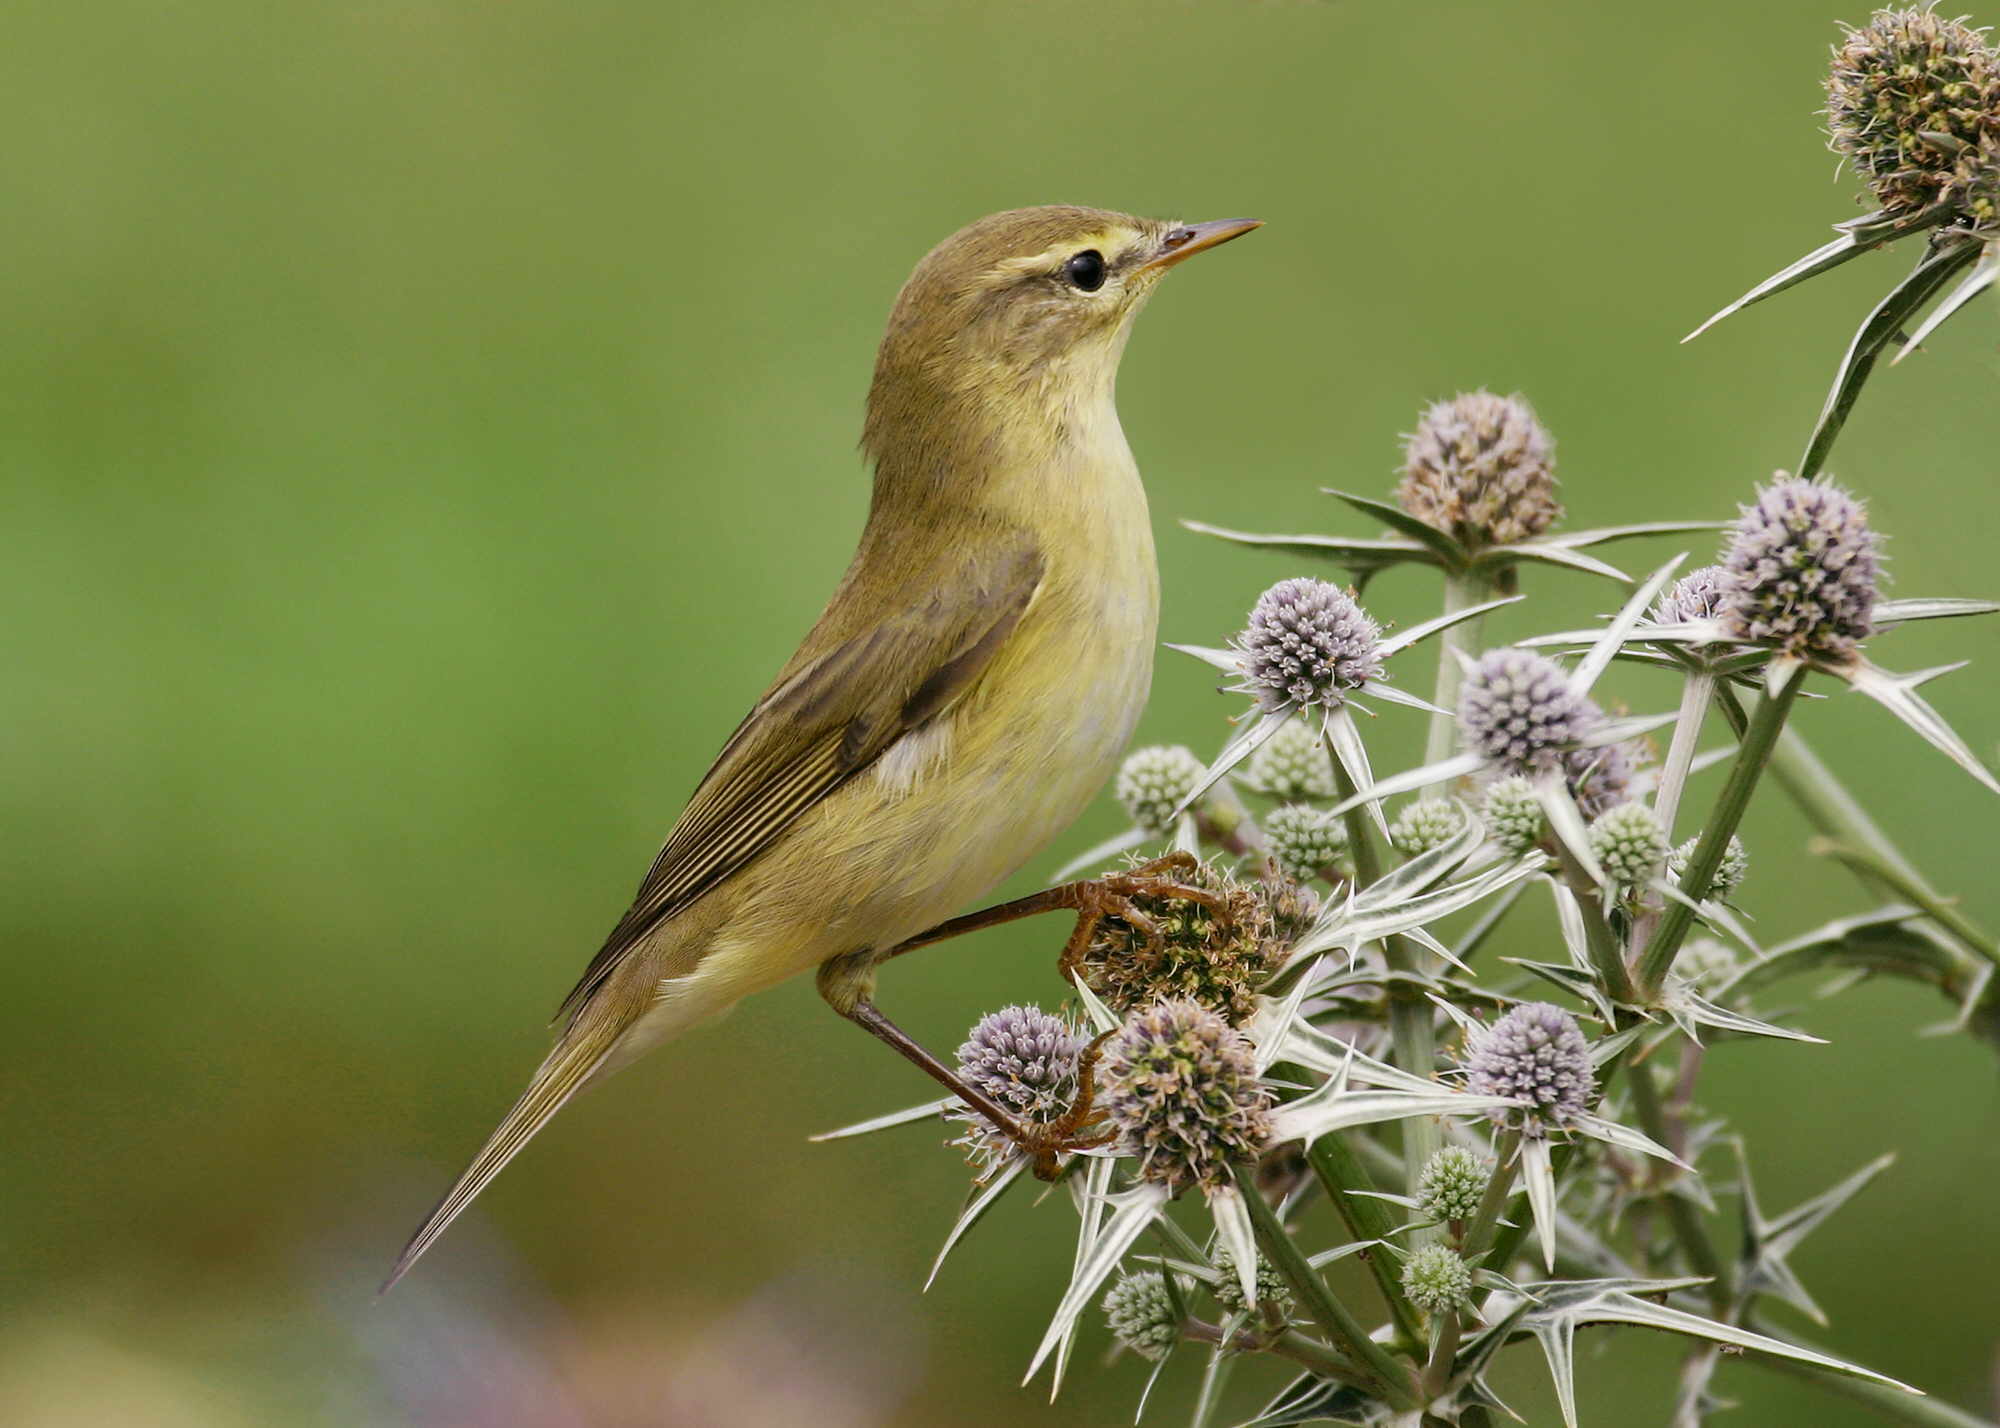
427,425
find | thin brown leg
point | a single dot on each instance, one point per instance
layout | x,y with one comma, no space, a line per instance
870,1019
1090,899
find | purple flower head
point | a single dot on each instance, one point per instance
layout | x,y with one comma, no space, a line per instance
1802,571
1181,1086
1698,595
1517,710
1308,643
1481,468
1025,1060
1534,1053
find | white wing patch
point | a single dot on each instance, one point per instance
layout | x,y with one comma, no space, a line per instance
911,756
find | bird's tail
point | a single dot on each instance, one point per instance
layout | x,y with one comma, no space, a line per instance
581,1052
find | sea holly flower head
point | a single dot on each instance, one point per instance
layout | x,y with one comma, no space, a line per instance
1292,765
1729,873
1152,782
1215,956
1698,595
1426,824
1513,815
1913,103
1536,1054
1141,1314
1518,711
1306,842
1802,571
1308,643
1630,845
1451,1184
1180,1086
1024,1060
1481,467
1272,1291
1436,1278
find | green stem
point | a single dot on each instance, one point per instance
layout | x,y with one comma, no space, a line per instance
1479,1234
1461,592
1341,1173
1411,1030
1606,956
1867,866
1387,1377
1290,1344
1682,1213
1437,1372
1766,722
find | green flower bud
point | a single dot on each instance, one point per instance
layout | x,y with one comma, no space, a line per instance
1436,1279
1141,1314
1729,873
1513,815
1305,841
1451,1184
1292,764
1272,1291
1426,824
1153,781
1630,845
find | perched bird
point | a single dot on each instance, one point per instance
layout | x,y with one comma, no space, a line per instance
966,692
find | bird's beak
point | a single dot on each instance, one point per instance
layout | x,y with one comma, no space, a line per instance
1190,238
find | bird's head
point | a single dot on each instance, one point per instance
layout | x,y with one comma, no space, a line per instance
1022,312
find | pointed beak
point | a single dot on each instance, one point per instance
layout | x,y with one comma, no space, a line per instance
1190,238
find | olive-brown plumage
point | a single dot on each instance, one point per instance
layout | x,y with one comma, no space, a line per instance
964,694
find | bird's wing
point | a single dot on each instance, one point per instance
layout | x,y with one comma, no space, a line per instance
824,723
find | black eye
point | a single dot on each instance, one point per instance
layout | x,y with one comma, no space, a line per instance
1086,270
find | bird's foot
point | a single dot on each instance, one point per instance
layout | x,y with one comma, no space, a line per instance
1116,894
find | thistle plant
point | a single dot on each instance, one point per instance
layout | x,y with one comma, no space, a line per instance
1405,1069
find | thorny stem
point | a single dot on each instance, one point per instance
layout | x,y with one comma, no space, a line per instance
1607,958
1340,1173
1410,1027
1461,592
1766,722
1499,1186
1945,913
1385,1376
1289,1343
1682,1213
1437,1372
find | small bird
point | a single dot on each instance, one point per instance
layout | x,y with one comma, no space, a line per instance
966,692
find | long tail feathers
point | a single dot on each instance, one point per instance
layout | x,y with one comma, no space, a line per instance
556,1080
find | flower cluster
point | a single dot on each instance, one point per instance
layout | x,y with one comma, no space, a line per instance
1698,595
1214,955
1451,1184
1534,1054
1308,643
1272,1291
1141,1314
1482,468
1025,1061
1729,873
1153,782
1630,844
1292,764
1436,1279
1180,1086
1306,842
1426,824
1513,815
1913,103
1802,570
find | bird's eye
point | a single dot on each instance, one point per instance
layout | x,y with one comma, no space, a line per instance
1085,270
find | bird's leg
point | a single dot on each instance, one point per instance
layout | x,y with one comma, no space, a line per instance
1092,900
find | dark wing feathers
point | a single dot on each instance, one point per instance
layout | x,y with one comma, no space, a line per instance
822,725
